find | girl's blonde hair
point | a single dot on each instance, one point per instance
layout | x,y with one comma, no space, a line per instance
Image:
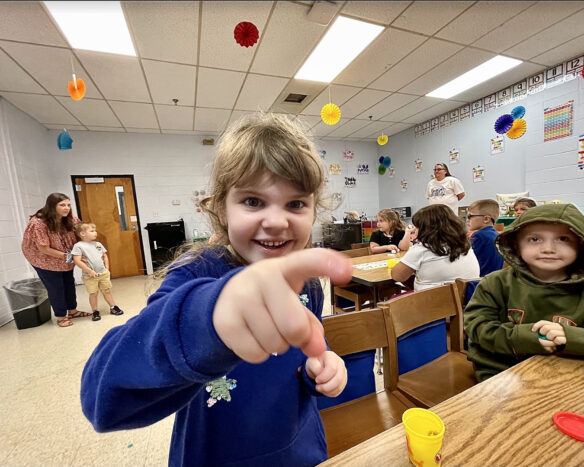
395,222
253,145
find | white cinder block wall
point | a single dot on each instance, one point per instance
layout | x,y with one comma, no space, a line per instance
548,170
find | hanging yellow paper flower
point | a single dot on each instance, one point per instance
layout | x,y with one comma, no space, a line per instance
518,129
382,140
330,114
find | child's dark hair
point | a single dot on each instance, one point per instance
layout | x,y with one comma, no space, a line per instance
527,201
48,213
441,231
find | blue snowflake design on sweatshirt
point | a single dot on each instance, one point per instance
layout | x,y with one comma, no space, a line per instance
220,388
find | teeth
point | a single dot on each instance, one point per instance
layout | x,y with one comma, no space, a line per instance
271,244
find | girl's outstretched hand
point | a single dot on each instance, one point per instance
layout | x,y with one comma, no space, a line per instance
258,312
329,373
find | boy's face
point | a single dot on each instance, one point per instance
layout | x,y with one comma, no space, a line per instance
269,219
520,209
89,234
547,249
476,221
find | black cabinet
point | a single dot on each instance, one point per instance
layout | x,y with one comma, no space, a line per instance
341,236
164,238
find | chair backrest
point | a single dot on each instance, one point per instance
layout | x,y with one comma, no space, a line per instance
466,288
356,252
408,312
354,246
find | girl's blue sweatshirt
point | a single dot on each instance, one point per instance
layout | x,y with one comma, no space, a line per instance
169,359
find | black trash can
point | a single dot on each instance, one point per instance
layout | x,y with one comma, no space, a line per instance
29,302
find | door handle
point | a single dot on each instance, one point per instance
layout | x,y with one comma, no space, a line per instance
134,227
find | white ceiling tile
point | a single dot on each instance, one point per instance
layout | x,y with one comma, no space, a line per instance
142,130
165,30
259,92
349,128
386,106
388,49
211,119
549,38
538,16
169,81
309,120
113,129
397,128
336,94
373,128
172,117
432,112
14,78
412,108
236,115
69,127
429,17
479,19
555,56
218,46
322,129
51,66
135,115
382,12
118,77
423,59
94,112
446,71
28,22
218,88
180,132
288,40
43,108
361,102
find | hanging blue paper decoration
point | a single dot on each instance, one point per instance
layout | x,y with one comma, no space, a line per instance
386,162
381,160
64,140
518,112
503,123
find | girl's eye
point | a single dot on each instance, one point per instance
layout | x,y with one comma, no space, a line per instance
296,204
564,238
252,202
532,239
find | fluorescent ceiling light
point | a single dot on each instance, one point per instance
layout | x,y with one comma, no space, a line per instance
493,67
344,40
97,26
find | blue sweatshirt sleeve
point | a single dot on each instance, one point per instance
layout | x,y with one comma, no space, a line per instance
156,363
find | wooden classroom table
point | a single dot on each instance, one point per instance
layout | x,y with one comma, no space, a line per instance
377,277
504,421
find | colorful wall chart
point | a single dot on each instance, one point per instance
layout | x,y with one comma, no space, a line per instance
558,122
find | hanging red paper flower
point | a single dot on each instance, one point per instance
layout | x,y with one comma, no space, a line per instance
246,34
76,89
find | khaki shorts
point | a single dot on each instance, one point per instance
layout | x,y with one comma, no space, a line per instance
101,282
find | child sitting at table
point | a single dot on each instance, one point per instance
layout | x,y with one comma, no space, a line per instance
535,306
480,219
522,204
392,235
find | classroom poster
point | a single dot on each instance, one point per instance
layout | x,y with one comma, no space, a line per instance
418,164
535,83
497,144
434,124
554,76
478,174
581,152
454,156
335,169
404,185
348,155
465,112
454,116
391,172
574,68
477,107
444,121
363,169
558,122
490,102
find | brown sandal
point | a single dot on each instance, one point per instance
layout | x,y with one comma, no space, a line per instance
79,314
64,322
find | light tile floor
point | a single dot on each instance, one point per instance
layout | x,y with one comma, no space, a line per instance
41,423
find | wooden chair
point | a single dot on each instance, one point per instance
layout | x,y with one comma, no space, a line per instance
444,376
352,422
357,293
354,246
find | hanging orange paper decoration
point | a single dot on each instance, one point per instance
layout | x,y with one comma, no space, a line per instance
76,89
330,114
518,129
382,140
246,34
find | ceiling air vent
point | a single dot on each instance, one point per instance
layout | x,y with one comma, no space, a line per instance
295,98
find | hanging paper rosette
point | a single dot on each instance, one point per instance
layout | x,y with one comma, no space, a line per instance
246,34
382,140
64,140
381,170
386,162
76,89
518,129
330,114
518,112
503,123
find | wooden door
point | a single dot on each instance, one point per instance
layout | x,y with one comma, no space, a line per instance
109,203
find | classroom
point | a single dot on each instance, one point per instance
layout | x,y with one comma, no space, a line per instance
145,124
